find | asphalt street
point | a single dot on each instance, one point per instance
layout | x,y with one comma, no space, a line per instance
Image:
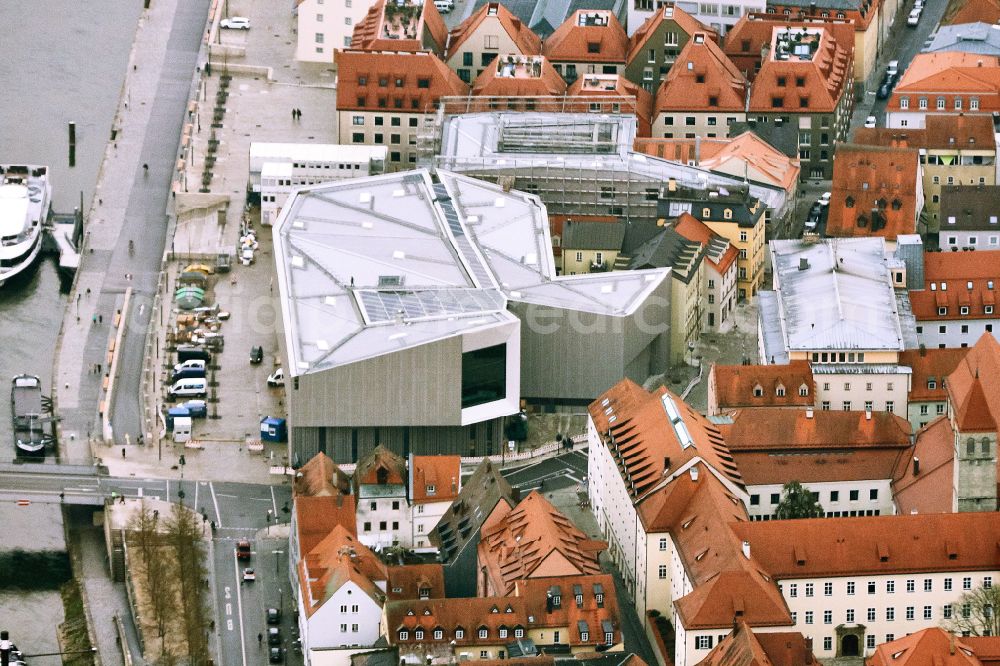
564,471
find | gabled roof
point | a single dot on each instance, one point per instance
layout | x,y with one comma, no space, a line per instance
974,387
441,473
809,83
533,539
742,647
408,581
592,235
527,608
799,430
874,192
735,386
667,249
702,79
656,432
479,497
948,71
872,545
316,517
527,41
321,476
973,207
668,13
987,648
617,89
928,647
941,131
970,11
359,74
931,488
977,37
335,561
929,368
749,594
401,25
721,254
761,161
956,280
380,467
512,75
588,36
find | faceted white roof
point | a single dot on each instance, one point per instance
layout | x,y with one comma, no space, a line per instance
373,265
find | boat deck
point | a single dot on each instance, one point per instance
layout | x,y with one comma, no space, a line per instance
26,402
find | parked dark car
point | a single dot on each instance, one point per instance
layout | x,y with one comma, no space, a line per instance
276,655
273,636
256,354
193,352
198,409
884,91
188,373
273,616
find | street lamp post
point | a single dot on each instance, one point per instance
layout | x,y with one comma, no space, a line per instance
180,490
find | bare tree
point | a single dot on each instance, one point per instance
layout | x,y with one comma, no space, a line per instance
184,531
155,566
975,613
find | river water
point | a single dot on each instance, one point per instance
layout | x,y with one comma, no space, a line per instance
63,60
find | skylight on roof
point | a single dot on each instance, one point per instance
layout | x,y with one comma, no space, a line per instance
398,254
367,225
670,408
399,193
472,219
607,288
298,261
500,202
330,300
365,197
299,224
322,345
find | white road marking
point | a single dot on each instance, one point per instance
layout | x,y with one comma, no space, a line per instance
229,594
215,503
196,496
140,491
229,625
226,495
239,607
274,505
229,609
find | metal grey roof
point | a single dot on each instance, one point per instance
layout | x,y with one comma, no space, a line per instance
860,369
823,4
835,294
374,265
772,344
668,249
543,16
981,38
474,141
592,235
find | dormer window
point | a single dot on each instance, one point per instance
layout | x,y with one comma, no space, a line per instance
584,636
424,593
758,391
964,309
404,635
849,202
727,214
438,634
593,47
431,489
419,634
781,81
459,634
780,391
699,78
931,384
483,632
706,213
803,390
942,311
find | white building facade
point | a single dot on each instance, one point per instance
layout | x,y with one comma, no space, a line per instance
323,26
720,16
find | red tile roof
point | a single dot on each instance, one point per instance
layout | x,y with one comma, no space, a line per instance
321,476
519,76
972,11
680,150
871,545
416,26
411,581
950,72
930,365
332,563
646,441
702,79
799,430
316,517
733,386
974,387
588,36
444,473
941,130
928,647
361,73
931,489
812,84
528,42
534,540
742,647
987,648
874,192
750,594
950,274
669,12
526,609
617,89
694,229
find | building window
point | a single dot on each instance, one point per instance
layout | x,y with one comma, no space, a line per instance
403,635
871,587
460,633
910,585
754,500
518,633
793,590
967,583
663,543
809,617
809,589
419,634
662,571
890,586
483,633
890,614
922,103
940,103
910,613
827,589
904,102
703,642
974,104
928,613
827,643
828,617
871,615
850,584
947,584
946,611
890,406
850,615
873,494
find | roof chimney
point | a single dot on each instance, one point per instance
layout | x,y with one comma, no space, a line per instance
803,263
809,412
916,465
666,463
746,549
868,415
694,473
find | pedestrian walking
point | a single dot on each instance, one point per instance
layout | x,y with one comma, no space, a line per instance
99,366
293,114
100,319
93,319
260,639
123,452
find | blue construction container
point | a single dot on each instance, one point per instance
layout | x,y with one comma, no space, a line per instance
273,429
174,412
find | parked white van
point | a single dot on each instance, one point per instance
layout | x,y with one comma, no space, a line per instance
189,388
444,6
